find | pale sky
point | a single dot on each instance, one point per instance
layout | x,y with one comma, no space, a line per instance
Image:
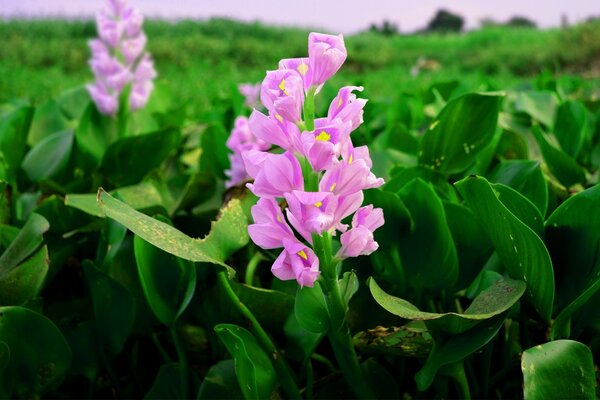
346,16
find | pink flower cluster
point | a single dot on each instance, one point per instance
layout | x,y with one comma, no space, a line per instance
118,58
339,171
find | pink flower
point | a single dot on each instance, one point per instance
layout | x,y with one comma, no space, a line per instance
327,53
274,174
106,102
251,93
359,239
347,107
241,139
323,146
351,175
298,262
284,134
269,229
282,93
300,65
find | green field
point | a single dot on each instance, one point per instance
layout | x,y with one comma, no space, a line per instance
201,62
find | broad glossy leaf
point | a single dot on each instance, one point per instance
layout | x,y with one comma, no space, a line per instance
526,177
49,156
128,160
39,354
571,127
114,308
167,384
520,249
27,241
397,216
220,382
457,348
563,369
573,240
214,157
228,234
169,282
562,166
462,129
492,301
404,176
47,119
143,196
4,203
253,367
270,307
430,261
540,105
521,208
61,218
472,244
25,281
348,286
73,102
94,133
14,127
311,309
301,342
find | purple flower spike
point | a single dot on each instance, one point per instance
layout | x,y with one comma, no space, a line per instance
241,139
282,93
323,146
327,53
348,177
347,107
300,65
298,262
118,58
311,212
277,174
269,228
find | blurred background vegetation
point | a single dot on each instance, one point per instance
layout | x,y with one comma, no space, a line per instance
201,62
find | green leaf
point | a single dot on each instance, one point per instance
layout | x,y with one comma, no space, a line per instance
348,286
490,302
541,106
521,208
228,234
169,282
430,261
462,129
457,348
214,157
562,166
37,163
220,382
47,119
520,249
166,384
61,218
270,307
73,102
407,175
526,177
114,308
128,160
94,133
397,216
571,128
14,127
253,368
39,354
410,340
311,309
25,281
301,342
142,197
563,369
27,241
573,240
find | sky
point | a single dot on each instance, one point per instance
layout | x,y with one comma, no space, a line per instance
347,16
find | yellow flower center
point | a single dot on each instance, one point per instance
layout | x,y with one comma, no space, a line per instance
282,87
302,254
323,136
302,68
318,204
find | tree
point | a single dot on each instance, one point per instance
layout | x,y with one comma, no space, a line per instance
521,22
386,28
445,21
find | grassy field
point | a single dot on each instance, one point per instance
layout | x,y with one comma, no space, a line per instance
201,62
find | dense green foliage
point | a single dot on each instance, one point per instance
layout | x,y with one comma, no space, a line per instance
485,284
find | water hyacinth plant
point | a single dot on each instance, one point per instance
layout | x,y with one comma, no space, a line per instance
320,175
119,62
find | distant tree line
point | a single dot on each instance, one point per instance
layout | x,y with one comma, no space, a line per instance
445,21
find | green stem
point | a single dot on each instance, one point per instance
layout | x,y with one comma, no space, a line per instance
251,267
461,378
339,333
182,358
309,109
283,371
161,349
